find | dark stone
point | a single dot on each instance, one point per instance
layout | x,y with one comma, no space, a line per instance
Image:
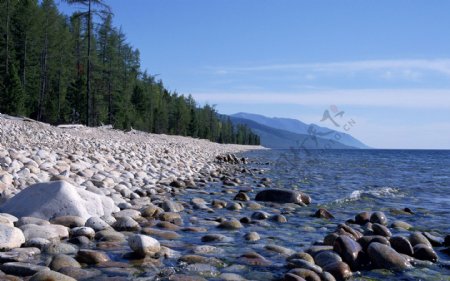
348,249
366,240
330,238
241,196
323,214
306,274
283,196
402,245
385,257
362,218
326,257
354,233
423,252
91,256
447,240
418,238
299,263
379,229
378,217
340,270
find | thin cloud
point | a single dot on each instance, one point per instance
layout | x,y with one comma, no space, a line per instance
401,98
406,65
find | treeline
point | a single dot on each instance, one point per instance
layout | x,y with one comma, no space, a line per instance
80,69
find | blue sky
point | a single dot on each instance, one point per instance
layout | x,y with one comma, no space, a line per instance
385,63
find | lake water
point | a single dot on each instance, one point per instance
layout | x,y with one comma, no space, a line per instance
347,182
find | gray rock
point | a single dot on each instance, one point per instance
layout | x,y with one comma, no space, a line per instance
97,224
21,268
10,237
326,257
49,232
54,199
61,261
283,196
385,257
49,275
91,256
82,231
126,224
69,221
252,236
143,244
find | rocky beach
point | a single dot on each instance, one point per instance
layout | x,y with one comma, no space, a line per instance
83,203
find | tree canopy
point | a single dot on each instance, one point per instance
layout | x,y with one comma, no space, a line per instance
80,69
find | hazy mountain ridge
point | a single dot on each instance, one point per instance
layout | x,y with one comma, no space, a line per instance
285,132
282,139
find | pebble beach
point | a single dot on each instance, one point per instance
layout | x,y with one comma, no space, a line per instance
84,203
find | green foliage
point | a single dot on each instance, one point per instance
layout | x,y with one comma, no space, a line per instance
47,78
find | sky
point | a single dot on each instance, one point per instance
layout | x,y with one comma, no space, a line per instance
385,63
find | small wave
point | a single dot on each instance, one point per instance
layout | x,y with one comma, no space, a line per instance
380,192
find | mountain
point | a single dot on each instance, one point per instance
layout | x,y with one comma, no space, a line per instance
282,139
296,127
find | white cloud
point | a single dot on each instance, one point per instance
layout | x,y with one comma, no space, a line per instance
411,66
402,98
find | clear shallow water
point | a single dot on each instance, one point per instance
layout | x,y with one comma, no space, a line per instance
350,181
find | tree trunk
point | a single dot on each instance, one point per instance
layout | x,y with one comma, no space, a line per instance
7,39
43,89
24,77
110,98
88,72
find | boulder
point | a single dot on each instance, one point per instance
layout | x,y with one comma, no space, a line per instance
384,256
10,237
283,196
55,199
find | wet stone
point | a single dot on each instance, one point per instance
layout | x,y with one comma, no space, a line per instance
323,214
424,252
362,218
326,257
49,275
402,245
305,274
61,261
366,240
252,236
21,269
340,270
299,263
378,217
385,257
91,256
348,249
418,238
380,229
231,224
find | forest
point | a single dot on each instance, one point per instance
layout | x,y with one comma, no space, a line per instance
80,68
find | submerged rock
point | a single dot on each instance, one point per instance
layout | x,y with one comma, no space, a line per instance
283,196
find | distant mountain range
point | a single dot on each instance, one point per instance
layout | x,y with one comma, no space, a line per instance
292,133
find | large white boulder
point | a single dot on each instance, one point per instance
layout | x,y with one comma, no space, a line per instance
58,198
